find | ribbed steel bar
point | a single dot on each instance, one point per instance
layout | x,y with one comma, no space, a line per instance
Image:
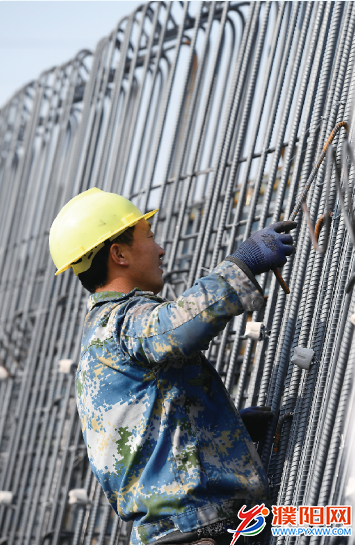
235,165
340,230
344,467
327,414
23,387
243,128
204,130
270,308
163,111
181,130
328,474
320,331
301,256
149,106
277,313
201,131
131,97
29,425
123,169
258,180
222,155
244,94
214,112
117,86
307,313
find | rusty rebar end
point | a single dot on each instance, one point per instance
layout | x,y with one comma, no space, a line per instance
281,281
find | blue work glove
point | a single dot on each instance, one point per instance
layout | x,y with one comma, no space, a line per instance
267,248
255,420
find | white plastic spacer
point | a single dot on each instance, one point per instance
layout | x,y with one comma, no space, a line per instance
3,373
302,357
78,496
254,330
65,366
6,498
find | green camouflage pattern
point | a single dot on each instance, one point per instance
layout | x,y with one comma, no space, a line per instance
164,438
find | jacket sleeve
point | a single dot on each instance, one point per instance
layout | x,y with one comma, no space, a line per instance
153,332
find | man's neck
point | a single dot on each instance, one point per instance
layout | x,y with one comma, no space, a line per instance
122,285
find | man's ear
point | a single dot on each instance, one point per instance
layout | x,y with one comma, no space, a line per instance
117,255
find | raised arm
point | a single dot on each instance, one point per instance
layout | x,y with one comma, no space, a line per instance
154,332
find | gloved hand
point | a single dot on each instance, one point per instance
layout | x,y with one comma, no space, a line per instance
267,248
255,420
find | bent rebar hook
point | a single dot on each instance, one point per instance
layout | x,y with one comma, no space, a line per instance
327,215
306,188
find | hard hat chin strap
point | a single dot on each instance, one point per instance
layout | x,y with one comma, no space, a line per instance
85,261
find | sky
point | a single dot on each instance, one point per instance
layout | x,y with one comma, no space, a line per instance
35,36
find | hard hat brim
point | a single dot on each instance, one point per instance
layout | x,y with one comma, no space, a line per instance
114,234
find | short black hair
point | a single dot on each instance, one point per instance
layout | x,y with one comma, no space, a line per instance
96,276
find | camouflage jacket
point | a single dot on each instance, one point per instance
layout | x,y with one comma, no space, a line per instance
164,439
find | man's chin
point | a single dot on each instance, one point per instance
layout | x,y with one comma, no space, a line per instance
155,286
157,290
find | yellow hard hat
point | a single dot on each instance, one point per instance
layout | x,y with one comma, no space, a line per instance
85,223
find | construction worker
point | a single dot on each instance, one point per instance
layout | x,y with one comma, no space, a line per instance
164,438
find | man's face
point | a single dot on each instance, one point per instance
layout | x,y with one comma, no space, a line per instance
145,258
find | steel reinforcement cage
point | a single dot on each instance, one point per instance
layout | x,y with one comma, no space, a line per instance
215,112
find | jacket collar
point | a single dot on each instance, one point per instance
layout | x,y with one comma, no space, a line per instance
106,296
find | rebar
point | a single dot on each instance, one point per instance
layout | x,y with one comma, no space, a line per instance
214,112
